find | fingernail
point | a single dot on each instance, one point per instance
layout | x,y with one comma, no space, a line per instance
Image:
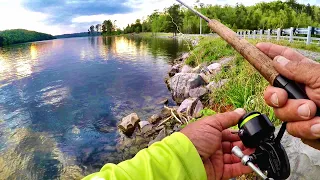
240,111
274,99
304,111
282,60
315,129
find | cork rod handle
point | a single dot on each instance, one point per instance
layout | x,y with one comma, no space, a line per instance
251,53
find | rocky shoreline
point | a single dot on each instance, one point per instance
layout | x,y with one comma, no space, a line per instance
189,88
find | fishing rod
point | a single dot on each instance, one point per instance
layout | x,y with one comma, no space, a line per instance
253,126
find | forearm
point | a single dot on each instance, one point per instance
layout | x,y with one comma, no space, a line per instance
173,158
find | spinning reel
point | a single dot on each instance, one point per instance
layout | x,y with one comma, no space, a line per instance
256,131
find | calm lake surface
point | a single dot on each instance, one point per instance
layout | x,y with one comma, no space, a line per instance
60,100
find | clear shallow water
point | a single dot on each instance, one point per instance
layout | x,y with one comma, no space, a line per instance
60,101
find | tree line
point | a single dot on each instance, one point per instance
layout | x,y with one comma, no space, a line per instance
106,28
272,15
16,36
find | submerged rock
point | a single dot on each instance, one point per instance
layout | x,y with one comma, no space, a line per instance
129,123
182,83
163,101
191,105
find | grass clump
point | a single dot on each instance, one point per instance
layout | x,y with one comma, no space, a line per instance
209,50
243,90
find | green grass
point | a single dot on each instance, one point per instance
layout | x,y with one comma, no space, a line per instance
243,90
209,50
245,86
150,34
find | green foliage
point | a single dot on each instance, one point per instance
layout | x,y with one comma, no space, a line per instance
208,51
1,41
276,14
16,36
207,112
243,90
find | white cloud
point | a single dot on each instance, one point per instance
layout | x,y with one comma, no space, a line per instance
13,15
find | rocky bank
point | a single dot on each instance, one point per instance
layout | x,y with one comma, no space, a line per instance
189,88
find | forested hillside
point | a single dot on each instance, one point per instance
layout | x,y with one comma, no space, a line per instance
277,14
16,36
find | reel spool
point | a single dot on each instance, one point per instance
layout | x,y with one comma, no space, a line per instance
257,131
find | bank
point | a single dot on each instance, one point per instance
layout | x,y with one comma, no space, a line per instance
211,78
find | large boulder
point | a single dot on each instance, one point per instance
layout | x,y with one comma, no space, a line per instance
129,123
182,83
191,105
304,160
198,92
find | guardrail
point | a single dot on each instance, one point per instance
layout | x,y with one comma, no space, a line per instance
289,34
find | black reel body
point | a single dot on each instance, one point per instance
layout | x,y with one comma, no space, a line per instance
256,131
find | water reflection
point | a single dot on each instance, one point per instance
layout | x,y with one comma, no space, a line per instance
60,101
33,51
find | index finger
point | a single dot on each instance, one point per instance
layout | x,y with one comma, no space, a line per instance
273,50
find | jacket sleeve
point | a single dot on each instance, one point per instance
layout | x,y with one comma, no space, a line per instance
174,158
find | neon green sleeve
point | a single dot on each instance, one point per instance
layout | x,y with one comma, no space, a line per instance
174,158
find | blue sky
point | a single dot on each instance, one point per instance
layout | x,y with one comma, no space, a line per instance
68,16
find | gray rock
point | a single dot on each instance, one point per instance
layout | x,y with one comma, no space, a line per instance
186,69
226,60
165,113
175,69
162,134
304,160
205,77
194,106
214,85
205,70
147,130
182,58
214,68
181,83
129,123
143,124
198,92
185,56
154,119
163,101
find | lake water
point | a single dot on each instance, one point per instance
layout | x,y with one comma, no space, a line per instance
60,100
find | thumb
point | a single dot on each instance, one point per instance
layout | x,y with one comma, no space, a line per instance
302,70
226,120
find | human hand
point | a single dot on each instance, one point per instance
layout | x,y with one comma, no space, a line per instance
214,143
299,113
